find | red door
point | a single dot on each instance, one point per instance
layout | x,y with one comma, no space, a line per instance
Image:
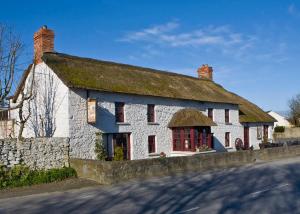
246,137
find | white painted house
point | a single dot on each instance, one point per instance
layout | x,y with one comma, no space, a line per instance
281,120
142,110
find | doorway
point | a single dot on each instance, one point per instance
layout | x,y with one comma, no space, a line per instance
122,140
246,137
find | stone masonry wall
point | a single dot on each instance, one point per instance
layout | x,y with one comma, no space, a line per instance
38,153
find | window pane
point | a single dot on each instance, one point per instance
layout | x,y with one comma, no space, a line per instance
151,144
119,112
150,113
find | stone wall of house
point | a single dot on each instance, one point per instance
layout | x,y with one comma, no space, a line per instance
82,134
38,153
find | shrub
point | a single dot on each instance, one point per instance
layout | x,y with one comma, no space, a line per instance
118,154
99,147
279,129
21,175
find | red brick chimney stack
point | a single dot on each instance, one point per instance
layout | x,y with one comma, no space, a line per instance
43,42
205,72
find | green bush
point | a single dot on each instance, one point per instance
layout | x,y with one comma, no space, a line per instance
279,129
118,154
21,175
99,147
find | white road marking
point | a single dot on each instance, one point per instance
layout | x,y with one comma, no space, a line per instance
189,210
253,194
86,196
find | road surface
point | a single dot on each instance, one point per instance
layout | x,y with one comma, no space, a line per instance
265,188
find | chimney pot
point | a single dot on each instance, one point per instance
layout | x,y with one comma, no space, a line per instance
205,72
43,42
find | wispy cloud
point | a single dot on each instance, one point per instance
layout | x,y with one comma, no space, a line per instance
157,40
167,34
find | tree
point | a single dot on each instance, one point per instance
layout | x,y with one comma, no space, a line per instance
10,51
294,114
43,105
99,147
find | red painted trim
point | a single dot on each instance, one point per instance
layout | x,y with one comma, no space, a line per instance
182,140
128,147
192,131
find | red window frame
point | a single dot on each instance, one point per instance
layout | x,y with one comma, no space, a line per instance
151,113
227,119
227,139
266,131
184,139
151,144
119,112
210,113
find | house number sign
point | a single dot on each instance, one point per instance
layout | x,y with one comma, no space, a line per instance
91,110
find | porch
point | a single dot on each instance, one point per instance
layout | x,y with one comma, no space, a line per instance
191,132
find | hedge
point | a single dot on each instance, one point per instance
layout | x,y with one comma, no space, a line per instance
279,129
21,175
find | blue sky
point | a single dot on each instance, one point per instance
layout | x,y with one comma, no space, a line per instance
253,46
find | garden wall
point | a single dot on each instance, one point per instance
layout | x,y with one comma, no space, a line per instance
37,153
289,133
118,171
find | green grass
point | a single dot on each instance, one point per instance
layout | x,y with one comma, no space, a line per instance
21,175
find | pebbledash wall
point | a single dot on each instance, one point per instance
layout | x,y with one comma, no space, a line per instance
37,153
82,134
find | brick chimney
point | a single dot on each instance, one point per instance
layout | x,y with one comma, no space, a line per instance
43,42
205,72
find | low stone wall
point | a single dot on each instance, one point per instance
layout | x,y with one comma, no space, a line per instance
37,153
288,134
115,172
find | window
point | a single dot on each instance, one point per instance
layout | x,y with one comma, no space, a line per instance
151,144
176,140
150,113
119,107
227,139
187,139
210,113
226,115
266,128
4,115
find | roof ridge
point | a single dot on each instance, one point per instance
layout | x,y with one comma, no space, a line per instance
143,69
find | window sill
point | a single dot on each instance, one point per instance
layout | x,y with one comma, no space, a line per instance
153,123
154,154
229,147
122,123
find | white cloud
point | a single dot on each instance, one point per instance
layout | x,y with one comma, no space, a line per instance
168,34
157,41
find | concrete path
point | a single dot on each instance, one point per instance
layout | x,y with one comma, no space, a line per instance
265,188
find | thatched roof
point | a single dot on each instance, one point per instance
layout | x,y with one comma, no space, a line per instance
190,117
78,72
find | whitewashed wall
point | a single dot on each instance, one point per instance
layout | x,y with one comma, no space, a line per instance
82,134
61,103
254,141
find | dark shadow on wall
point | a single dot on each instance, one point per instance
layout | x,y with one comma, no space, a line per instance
218,146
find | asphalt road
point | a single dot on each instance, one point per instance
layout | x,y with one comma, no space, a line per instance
265,188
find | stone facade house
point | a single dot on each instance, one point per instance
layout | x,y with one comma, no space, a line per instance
144,111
